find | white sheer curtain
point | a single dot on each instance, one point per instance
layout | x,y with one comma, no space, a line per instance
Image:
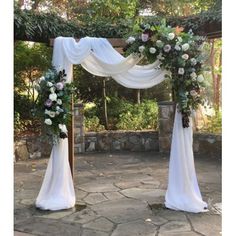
97,56
57,191
183,192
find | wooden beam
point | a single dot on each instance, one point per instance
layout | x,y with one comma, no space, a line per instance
115,42
71,139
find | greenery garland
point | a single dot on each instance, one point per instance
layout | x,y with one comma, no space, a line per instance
180,54
54,103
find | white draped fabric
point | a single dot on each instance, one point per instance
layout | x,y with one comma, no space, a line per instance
98,57
57,191
183,192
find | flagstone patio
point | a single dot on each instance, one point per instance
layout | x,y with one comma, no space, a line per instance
119,194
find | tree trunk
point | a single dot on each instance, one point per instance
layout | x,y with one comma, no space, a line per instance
214,77
138,96
218,83
105,103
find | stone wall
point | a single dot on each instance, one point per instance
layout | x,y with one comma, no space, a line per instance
31,148
166,121
207,144
121,141
79,133
111,141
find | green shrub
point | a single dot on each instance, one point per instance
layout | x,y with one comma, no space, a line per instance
214,123
93,124
139,116
122,115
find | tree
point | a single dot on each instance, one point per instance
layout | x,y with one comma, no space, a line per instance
30,60
216,63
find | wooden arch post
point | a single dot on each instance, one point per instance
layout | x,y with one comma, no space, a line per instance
118,44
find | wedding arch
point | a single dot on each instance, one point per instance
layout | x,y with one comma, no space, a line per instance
97,56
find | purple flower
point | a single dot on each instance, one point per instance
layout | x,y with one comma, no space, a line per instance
48,103
59,86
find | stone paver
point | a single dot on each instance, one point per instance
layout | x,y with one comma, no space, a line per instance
91,232
135,228
82,217
123,210
178,234
143,194
16,233
94,198
49,227
100,224
117,194
113,195
209,225
97,187
175,226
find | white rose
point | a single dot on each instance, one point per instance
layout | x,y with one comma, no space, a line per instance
57,112
46,112
159,43
147,26
200,78
152,50
63,128
145,37
130,40
177,47
185,47
52,90
193,61
141,48
49,84
53,97
59,101
159,56
52,114
170,36
48,121
181,71
180,39
58,108
193,76
185,56
41,79
193,93
167,48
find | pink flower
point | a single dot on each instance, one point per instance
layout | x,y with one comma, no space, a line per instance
59,86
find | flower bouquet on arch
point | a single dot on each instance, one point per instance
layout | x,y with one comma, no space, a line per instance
54,104
178,52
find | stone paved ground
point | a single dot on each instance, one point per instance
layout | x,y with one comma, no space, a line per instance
117,195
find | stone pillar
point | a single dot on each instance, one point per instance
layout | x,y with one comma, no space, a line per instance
166,121
79,128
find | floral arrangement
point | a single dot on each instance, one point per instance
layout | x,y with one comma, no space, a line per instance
180,53
54,103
